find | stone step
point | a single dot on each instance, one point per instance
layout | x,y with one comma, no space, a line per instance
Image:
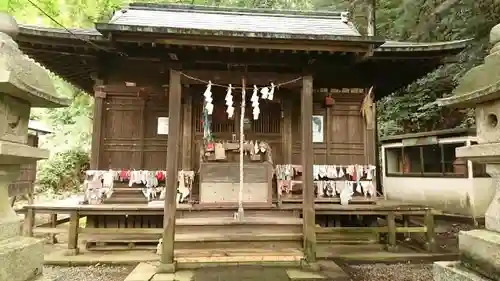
478,252
454,271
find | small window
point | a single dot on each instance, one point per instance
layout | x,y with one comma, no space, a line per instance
412,160
452,165
393,160
432,160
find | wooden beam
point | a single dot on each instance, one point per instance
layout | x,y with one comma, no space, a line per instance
234,77
167,262
246,43
98,121
307,174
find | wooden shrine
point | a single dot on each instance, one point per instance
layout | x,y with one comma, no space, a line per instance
148,75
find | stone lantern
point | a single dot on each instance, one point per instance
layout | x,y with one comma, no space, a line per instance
23,84
480,89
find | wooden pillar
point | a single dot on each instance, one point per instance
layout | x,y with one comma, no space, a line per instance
167,262
187,133
307,173
287,131
74,224
430,234
99,97
142,133
391,232
328,134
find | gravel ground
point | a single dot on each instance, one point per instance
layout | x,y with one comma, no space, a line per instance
88,273
393,272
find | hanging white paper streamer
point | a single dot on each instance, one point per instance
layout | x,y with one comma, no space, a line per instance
265,93
208,98
255,103
229,102
271,92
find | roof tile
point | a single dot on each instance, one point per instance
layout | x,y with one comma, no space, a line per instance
235,21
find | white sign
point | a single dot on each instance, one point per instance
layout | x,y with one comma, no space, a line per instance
162,126
317,128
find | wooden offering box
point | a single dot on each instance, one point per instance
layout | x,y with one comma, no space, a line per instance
219,182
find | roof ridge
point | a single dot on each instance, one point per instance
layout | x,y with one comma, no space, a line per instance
235,10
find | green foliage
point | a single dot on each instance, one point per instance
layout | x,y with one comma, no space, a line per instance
64,172
413,109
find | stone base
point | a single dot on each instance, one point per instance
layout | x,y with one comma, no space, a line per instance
21,258
454,271
10,227
479,252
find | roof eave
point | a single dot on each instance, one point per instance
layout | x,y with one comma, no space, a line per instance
106,28
415,47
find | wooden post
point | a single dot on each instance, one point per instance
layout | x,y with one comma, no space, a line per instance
53,224
96,149
167,262
187,132
142,132
431,235
307,174
391,232
328,134
287,132
74,224
29,222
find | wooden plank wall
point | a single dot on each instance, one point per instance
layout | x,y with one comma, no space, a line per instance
344,132
130,141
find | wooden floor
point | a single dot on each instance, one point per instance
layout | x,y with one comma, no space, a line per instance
357,204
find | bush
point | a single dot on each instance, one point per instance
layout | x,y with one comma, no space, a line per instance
63,171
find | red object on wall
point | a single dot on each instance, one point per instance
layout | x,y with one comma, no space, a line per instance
329,101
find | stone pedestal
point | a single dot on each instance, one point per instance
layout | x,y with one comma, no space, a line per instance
23,84
480,249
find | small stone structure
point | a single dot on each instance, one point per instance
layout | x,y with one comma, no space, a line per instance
23,84
480,249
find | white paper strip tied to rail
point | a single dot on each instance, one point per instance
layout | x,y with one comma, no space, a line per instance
255,103
229,102
208,99
270,96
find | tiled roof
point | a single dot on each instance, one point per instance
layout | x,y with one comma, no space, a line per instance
231,20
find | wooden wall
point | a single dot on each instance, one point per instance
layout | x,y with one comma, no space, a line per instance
344,132
129,137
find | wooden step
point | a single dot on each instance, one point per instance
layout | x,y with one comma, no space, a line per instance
210,241
221,221
248,225
132,200
198,237
229,213
127,190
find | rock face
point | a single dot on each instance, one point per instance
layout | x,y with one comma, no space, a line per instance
23,84
480,89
